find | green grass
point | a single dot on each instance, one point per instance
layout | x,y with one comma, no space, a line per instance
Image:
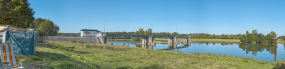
67,55
281,41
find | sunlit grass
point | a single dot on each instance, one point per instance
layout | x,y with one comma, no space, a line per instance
66,55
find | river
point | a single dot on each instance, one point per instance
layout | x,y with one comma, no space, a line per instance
256,51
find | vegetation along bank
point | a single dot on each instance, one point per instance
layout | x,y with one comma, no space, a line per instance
68,55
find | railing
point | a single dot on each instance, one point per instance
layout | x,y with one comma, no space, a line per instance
154,36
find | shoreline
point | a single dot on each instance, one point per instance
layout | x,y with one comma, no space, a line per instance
107,54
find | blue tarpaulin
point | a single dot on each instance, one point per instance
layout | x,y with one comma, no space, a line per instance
23,42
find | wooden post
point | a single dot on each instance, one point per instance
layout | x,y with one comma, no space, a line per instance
275,51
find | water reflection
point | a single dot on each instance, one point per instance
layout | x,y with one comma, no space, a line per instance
254,48
264,52
170,46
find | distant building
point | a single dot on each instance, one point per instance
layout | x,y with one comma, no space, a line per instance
90,33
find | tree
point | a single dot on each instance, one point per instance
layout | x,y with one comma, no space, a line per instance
242,38
248,37
140,32
37,22
149,31
47,28
254,37
174,34
16,13
261,37
223,36
272,35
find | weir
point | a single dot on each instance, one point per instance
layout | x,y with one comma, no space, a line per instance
148,39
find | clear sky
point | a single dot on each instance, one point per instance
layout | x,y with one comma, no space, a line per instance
199,16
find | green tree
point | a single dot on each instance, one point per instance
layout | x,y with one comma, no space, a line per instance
261,37
37,22
174,34
149,31
16,13
48,28
272,35
254,36
242,38
248,37
140,32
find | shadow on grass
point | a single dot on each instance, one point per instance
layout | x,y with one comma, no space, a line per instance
60,47
48,60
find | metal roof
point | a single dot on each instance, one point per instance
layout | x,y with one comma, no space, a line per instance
88,30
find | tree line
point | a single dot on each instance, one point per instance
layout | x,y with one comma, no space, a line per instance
194,35
255,37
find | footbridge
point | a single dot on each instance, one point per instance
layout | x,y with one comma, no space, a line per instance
148,39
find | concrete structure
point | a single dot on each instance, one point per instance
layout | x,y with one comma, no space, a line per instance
148,39
90,33
172,47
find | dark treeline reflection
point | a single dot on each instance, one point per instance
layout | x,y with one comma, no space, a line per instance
218,43
254,48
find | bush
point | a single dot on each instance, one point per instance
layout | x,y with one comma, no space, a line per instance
280,64
88,46
81,41
72,40
136,39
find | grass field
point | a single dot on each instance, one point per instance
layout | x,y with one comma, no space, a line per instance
66,55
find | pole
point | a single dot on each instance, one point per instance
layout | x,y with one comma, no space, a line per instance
176,29
275,51
151,29
104,26
151,26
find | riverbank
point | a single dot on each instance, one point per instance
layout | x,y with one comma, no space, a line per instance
66,55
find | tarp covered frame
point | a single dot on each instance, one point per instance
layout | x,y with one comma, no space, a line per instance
23,40
3,28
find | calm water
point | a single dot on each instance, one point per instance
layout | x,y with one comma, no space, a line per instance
260,52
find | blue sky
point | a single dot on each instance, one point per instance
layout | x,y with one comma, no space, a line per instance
199,16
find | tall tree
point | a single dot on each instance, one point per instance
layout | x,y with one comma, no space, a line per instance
48,28
149,31
248,37
254,37
140,32
16,13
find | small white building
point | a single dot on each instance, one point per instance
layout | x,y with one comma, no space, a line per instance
90,33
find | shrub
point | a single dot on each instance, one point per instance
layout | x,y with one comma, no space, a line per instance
88,46
72,40
280,64
81,41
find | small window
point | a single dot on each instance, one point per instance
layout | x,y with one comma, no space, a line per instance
87,32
